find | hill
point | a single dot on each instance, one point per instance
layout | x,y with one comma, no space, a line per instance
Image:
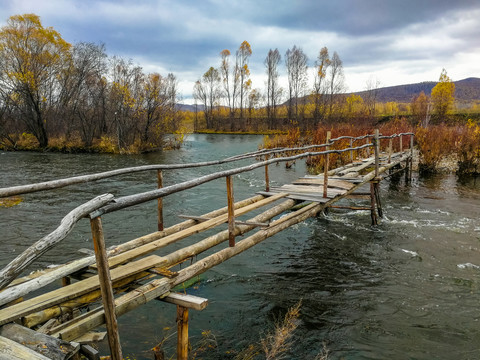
466,90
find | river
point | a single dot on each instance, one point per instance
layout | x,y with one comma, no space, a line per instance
406,289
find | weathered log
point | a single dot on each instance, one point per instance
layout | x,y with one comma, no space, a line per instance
46,345
16,266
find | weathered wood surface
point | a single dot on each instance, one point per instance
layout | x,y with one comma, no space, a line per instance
155,245
332,182
46,345
170,259
11,350
16,266
41,278
106,289
74,290
187,301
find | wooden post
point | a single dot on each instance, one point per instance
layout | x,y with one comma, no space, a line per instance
377,198
401,143
376,144
411,157
106,288
390,146
182,333
351,151
325,167
160,201
66,281
267,179
367,140
231,212
373,214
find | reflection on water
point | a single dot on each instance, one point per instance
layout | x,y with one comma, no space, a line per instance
407,289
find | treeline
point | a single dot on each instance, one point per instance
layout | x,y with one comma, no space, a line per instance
54,94
227,95
314,95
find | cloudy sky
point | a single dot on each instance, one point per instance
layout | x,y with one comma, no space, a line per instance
392,42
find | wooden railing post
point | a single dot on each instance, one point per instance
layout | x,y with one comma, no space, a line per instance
367,140
106,288
401,143
231,212
182,333
267,179
376,144
351,151
160,201
325,166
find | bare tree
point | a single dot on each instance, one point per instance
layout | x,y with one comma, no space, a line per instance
242,73
296,62
319,84
207,91
273,89
336,80
371,94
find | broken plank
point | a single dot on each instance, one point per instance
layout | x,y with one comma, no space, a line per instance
91,337
74,290
48,346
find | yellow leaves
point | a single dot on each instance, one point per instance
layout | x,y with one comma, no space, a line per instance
10,201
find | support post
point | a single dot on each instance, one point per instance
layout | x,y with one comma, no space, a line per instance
377,198
376,146
325,166
390,146
160,201
351,151
367,140
401,143
411,157
231,212
182,333
106,288
373,213
267,179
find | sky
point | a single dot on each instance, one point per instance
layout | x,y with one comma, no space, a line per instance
386,42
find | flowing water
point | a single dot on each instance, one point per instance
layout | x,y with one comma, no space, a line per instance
407,289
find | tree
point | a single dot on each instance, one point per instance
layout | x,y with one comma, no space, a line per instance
83,91
226,80
443,95
321,66
420,108
242,73
273,89
207,91
34,58
371,93
296,63
336,80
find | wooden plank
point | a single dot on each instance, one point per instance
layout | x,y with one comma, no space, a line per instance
332,182
91,337
185,300
305,189
11,350
74,290
155,245
43,344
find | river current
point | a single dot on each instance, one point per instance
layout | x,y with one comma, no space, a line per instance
406,289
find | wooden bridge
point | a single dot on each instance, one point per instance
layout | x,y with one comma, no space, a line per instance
61,323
